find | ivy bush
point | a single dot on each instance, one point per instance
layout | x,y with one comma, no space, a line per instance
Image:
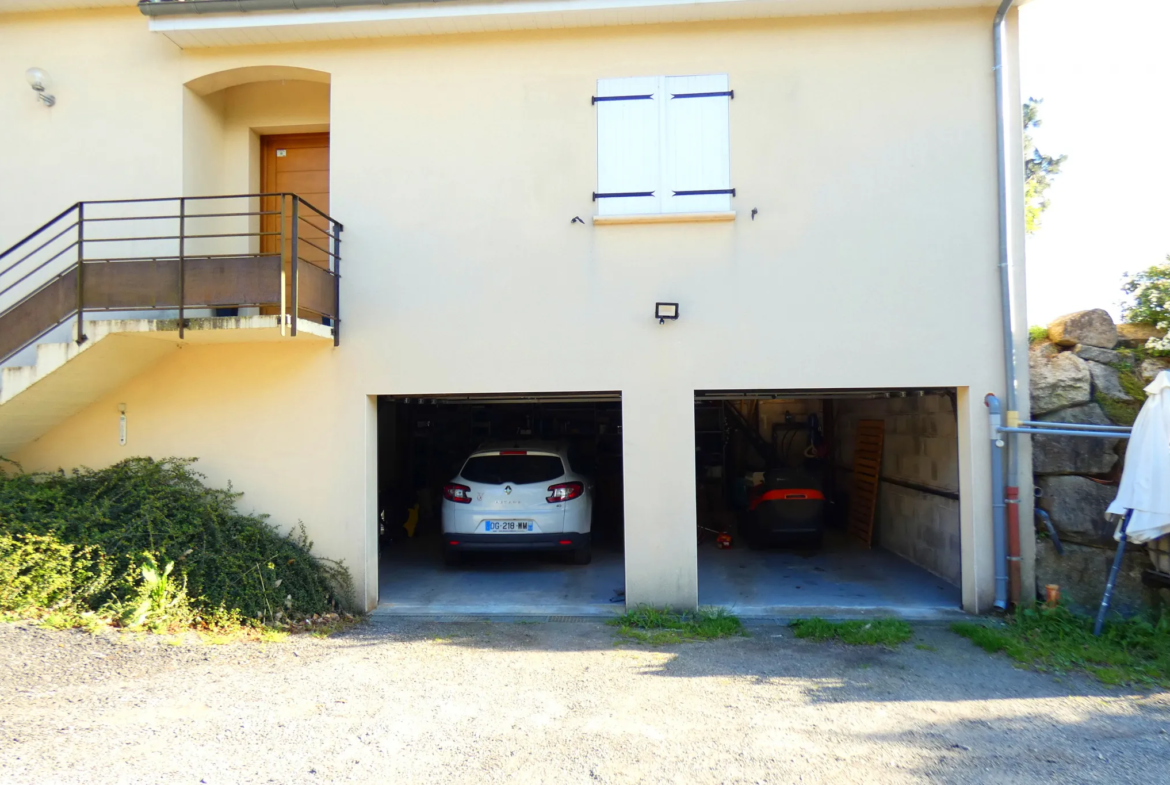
130,518
40,572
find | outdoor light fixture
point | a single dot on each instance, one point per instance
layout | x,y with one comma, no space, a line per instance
664,311
37,79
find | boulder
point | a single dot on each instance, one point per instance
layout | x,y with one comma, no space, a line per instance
1152,366
1077,506
1107,381
1134,336
1058,381
1046,349
1159,551
1081,574
1092,328
1096,354
1072,455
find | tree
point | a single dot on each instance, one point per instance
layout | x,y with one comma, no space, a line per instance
1039,169
1150,290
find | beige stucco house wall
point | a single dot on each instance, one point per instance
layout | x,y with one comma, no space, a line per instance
866,141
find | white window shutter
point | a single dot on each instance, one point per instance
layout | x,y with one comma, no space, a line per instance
697,144
628,145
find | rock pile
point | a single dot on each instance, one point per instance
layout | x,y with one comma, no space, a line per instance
1077,377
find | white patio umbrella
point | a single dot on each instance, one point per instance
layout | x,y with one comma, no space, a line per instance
1145,483
1144,496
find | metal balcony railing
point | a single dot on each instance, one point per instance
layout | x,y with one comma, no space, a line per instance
179,255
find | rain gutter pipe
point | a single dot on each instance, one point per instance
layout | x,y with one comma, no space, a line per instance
1001,506
1007,301
1069,426
999,523
173,8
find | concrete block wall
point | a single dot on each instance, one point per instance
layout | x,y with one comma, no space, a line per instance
921,448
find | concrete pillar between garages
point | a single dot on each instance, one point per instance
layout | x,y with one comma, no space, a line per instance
658,444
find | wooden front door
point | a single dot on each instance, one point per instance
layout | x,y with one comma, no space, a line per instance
298,164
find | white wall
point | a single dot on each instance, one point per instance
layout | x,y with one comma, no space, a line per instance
115,132
866,143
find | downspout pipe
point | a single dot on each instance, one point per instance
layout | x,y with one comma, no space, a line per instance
998,519
1007,302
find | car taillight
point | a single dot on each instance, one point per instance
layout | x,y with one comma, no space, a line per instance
564,492
457,493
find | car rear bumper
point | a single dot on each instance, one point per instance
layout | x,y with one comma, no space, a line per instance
565,541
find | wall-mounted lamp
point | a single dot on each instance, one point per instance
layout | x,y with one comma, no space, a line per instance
664,311
38,79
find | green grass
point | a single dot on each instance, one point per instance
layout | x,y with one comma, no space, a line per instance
924,647
1131,652
1037,334
879,632
658,626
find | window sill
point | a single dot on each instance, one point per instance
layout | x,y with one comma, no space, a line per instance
664,218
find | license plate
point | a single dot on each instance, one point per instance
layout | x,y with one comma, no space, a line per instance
507,527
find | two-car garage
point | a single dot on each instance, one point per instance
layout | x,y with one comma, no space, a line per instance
828,501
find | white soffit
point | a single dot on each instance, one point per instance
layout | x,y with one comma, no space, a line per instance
440,18
29,6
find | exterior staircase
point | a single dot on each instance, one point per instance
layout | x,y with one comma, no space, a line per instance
99,320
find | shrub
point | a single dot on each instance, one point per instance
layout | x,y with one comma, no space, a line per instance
39,571
142,512
1150,290
1037,334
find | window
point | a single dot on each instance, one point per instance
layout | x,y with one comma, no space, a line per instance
518,469
663,145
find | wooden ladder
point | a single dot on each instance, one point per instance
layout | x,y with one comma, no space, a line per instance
867,466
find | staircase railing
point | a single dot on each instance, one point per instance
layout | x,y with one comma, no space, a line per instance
176,256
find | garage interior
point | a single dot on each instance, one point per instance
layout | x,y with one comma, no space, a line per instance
422,444
886,464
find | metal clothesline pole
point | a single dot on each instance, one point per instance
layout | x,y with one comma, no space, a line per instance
1109,584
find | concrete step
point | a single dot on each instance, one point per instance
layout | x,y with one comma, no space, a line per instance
50,356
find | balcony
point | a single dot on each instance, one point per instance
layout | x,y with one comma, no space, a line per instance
271,257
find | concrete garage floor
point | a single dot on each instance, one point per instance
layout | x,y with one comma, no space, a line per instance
841,580
414,581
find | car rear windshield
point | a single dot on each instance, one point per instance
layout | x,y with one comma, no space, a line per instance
518,469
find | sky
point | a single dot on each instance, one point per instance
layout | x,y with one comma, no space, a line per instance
1103,70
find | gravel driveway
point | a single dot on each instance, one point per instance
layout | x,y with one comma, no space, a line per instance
407,701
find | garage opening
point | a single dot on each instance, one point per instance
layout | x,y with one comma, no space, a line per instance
836,500
505,504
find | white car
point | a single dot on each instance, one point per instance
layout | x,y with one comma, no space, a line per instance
518,496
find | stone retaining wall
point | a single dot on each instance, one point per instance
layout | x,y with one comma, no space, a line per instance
1090,370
